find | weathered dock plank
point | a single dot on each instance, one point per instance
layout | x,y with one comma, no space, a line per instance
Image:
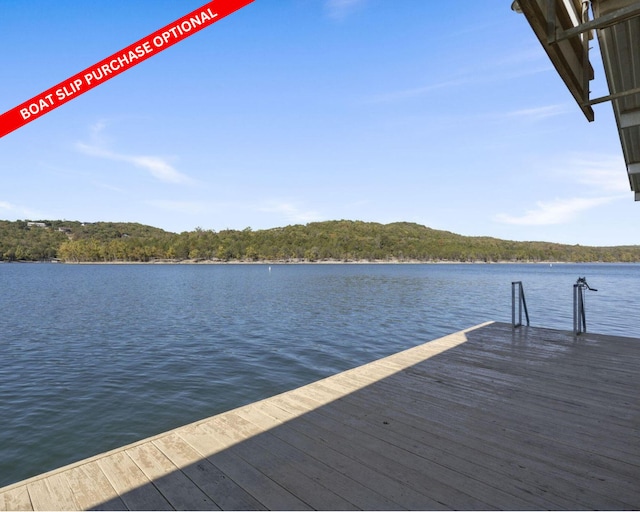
526,469
131,484
210,479
52,493
487,418
269,493
174,485
91,488
431,443
379,482
253,447
305,462
16,498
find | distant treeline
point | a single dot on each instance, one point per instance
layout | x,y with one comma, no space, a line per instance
342,240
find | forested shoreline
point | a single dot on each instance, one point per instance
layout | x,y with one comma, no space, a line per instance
343,240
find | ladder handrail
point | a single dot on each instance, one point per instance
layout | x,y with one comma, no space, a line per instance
522,304
579,316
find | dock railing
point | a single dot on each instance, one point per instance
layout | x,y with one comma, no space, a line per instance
522,304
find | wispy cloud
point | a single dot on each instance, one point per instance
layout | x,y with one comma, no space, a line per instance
157,166
529,55
107,186
189,207
505,68
595,173
600,177
290,211
340,9
19,211
414,92
558,211
537,113
602,172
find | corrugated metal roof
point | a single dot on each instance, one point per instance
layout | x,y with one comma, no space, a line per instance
562,26
620,48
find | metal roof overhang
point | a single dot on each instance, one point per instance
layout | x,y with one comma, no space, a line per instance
563,28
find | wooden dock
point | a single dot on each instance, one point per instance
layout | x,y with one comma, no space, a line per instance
486,418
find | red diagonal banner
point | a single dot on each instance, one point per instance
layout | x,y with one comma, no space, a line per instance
117,63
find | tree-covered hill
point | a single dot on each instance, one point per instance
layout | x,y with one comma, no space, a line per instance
342,240
42,240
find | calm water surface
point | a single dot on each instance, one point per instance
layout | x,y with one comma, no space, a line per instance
96,356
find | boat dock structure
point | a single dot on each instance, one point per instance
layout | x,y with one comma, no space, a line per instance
491,417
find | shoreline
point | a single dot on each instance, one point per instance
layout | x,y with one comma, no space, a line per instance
325,262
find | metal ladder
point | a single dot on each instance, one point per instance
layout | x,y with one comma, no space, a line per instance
579,316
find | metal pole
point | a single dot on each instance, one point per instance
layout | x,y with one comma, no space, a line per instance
583,315
579,313
579,316
575,309
520,303
523,303
513,304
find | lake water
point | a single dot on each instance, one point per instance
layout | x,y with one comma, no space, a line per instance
93,357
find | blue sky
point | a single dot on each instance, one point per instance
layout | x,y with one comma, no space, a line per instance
447,114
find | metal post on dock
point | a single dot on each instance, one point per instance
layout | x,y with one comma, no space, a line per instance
579,315
522,304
